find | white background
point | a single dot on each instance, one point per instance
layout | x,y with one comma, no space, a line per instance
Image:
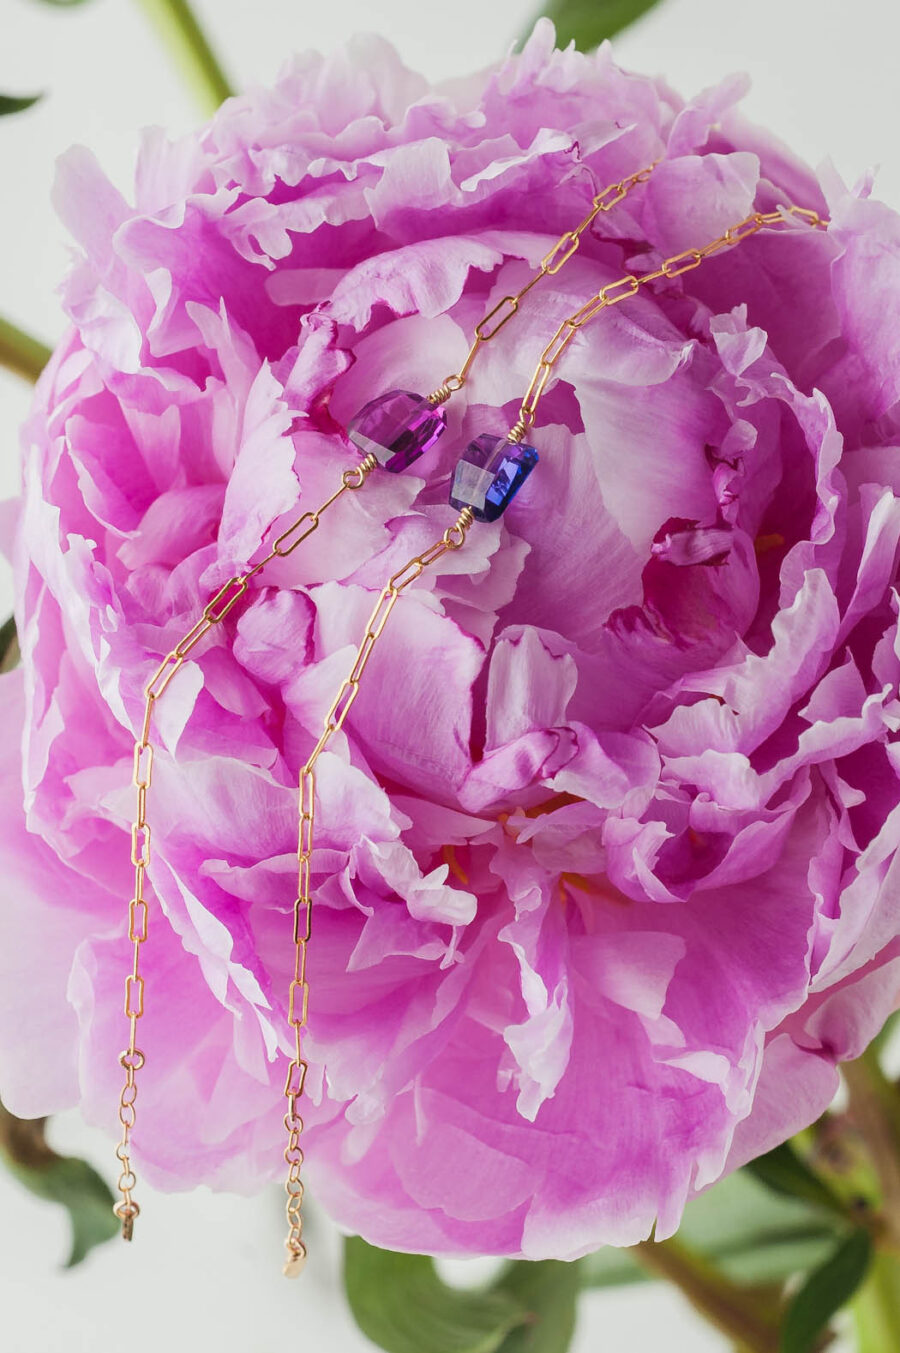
204,1272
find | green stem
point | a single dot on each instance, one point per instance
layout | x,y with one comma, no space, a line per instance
178,27
876,1309
22,1141
21,353
10,657
874,1110
739,1312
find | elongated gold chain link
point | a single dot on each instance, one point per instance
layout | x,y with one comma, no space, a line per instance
132,1059
215,611
491,323
630,285
298,994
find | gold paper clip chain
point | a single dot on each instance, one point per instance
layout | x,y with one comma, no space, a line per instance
629,285
220,605
490,324
215,611
298,996
453,538
132,1059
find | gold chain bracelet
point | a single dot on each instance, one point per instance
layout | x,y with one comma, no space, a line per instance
222,603
298,996
629,285
454,538
132,1059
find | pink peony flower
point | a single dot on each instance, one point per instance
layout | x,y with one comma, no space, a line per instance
605,878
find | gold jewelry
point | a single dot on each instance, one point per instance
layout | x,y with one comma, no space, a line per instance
395,456
488,477
490,324
453,539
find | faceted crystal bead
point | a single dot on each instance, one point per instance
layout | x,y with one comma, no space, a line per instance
397,427
490,475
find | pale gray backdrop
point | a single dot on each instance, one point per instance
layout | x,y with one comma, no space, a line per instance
204,1273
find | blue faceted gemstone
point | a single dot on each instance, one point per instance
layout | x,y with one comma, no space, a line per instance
490,475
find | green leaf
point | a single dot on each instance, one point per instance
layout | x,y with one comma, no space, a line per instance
17,103
80,1189
876,1307
401,1304
752,1235
589,22
548,1289
824,1292
62,4
785,1172
611,1267
59,1179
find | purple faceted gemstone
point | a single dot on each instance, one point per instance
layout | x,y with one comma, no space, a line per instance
490,475
397,428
